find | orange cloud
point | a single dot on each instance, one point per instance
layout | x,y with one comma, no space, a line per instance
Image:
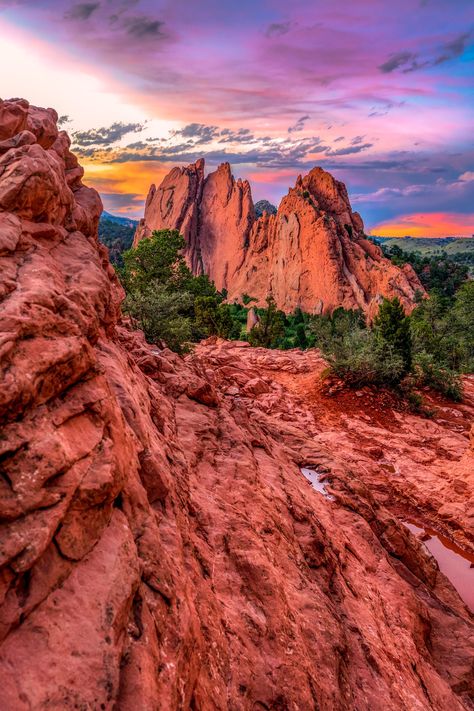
427,224
273,176
132,179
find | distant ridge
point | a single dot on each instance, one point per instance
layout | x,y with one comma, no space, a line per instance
118,219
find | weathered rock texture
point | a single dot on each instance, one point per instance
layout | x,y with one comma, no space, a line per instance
214,214
312,253
159,547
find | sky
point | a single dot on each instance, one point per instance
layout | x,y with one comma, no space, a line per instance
380,93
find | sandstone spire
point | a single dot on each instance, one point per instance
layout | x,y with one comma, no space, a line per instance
312,254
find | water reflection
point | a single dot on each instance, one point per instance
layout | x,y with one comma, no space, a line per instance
315,477
455,563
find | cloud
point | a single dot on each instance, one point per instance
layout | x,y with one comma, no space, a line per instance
385,107
201,133
81,11
269,153
299,125
241,135
106,135
143,27
454,48
349,150
397,60
122,202
277,29
387,194
412,62
467,177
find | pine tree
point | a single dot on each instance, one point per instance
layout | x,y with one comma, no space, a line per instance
392,329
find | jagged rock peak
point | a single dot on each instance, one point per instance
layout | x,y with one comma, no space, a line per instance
214,214
264,206
311,254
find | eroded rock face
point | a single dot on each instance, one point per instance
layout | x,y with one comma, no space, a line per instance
213,214
311,254
159,547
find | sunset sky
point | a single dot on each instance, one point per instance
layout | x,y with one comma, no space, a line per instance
380,93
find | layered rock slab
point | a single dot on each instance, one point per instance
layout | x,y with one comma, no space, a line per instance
159,547
312,254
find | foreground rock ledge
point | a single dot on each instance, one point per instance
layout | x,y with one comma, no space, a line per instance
159,547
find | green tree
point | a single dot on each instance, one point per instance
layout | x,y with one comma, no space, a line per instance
215,318
301,338
463,312
168,301
159,260
392,330
163,315
271,329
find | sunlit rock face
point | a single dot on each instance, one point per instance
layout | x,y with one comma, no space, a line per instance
311,254
214,214
159,546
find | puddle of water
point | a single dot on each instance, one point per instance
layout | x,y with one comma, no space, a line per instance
315,477
456,564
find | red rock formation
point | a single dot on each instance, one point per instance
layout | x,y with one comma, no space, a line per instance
214,215
312,254
175,204
159,547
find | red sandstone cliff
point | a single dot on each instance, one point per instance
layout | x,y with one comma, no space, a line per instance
312,253
159,547
214,214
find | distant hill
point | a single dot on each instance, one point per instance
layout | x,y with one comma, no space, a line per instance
419,251
117,234
107,216
430,245
264,206
458,249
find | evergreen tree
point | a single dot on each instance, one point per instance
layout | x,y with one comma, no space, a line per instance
301,339
271,329
157,259
392,329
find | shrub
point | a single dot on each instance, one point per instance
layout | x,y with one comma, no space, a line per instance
246,299
162,315
360,359
158,260
214,318
431,373
270,332
170,303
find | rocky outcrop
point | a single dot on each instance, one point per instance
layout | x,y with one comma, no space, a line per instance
312,253
213,214
175,204
159,546
264,206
